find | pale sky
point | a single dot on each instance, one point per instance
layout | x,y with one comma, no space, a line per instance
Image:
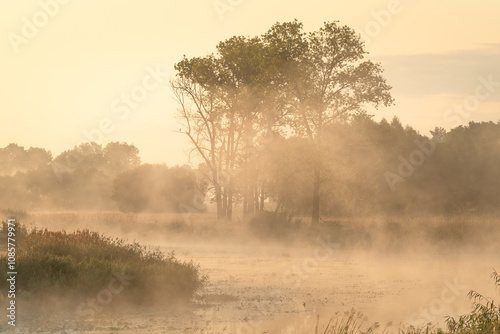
74,71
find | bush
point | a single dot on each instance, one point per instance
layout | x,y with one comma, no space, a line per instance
273,225
82,263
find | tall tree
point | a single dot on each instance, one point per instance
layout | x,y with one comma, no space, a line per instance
329,81
283,80
223,102
201,114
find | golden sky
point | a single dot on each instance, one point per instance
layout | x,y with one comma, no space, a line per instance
69,68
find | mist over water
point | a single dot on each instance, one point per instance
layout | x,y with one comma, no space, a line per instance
168,170
284,282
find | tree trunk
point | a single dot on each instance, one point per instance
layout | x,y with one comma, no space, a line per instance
245,202
256,199
229,210
224,204
218,200
261,208
316,197
251,206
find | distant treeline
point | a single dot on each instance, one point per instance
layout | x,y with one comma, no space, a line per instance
91,177
368,168
372,168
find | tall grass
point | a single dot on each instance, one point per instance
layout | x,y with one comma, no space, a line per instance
80,264
483,319
350,322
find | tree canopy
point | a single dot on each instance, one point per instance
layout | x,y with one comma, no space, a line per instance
283,81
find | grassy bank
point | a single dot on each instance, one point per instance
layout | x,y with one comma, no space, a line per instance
74,266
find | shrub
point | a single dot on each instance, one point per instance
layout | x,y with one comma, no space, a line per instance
273,225
82,263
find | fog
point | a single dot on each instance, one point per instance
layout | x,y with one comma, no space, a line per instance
282,282
300,209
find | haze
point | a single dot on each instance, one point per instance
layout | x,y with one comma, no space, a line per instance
65,79
237,166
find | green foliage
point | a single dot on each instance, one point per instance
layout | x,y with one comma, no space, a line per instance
284,80
82,263
484,318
